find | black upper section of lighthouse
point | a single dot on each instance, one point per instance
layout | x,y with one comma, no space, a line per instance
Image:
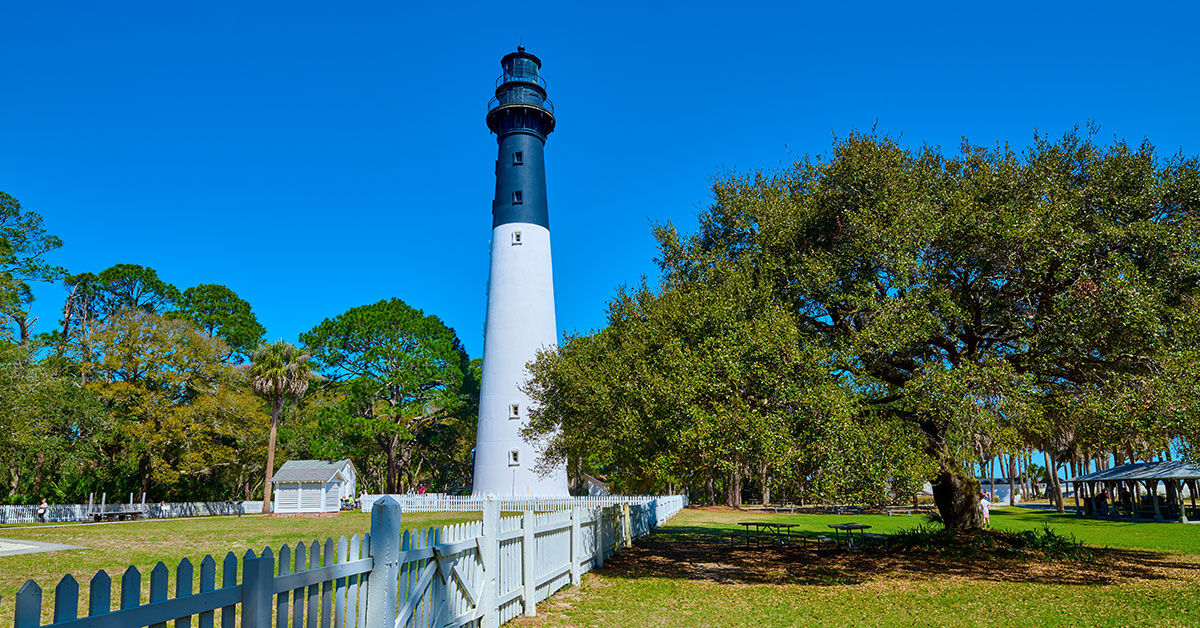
521,117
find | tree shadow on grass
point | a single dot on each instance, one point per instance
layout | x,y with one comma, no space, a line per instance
706,554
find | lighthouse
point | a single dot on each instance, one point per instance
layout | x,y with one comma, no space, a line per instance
520,301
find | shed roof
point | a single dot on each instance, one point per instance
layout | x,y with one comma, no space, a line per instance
310,470
1168,470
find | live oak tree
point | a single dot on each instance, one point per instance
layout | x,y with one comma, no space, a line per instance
985,295
400,372
184,422
708,381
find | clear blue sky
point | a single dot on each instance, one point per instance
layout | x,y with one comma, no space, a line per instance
318,156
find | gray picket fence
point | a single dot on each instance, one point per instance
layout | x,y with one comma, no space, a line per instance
666,505
482,573
157,510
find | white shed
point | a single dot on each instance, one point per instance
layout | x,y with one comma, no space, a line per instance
313,485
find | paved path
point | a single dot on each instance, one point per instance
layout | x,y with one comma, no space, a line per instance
12,547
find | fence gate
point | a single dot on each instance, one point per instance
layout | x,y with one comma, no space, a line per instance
441,577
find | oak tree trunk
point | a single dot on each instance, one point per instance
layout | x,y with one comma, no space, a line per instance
957,498
39,462
766,487
733,488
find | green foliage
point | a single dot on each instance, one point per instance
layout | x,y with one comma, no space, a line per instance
129,286
24,243
400,375
980,301
49,428
181,416
93,298
279,372
221,313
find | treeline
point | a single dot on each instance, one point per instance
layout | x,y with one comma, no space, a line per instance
145,388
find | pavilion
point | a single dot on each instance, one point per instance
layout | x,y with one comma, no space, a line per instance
1132,492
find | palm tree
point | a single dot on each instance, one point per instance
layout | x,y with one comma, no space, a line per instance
278,372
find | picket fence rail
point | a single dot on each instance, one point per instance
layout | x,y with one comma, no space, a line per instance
158,510
667,506
482,573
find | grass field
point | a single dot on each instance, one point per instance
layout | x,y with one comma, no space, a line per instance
1144,574
687,576
115,546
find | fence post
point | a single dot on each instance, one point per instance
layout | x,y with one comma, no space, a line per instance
256,589
575,546
628,524
529,564
385,571
489,544
599,520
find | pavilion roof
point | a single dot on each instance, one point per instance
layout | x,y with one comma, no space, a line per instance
1167,470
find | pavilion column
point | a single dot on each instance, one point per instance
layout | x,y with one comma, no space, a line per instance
1137,499
1154,500
1078,508
1193,494
1179,499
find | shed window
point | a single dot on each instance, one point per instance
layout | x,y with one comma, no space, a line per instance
517,197
518,158
514,458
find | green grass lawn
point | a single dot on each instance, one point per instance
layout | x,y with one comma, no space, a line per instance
686,576
115,546
1094,532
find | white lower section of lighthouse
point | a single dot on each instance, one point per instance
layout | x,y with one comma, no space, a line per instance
520,321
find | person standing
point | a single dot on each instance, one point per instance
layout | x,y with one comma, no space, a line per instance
985,508
42,508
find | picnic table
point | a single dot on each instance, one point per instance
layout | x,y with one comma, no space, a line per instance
116,515
849,528
782,532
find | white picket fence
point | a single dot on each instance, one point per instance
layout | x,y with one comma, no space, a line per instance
667,506
482,573
159,510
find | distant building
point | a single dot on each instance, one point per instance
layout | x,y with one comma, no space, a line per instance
999,488
313,486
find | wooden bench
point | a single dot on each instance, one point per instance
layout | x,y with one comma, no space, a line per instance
876,539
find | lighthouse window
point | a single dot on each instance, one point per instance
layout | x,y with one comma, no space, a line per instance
514,411
514,458
517,197
516,238
518,158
